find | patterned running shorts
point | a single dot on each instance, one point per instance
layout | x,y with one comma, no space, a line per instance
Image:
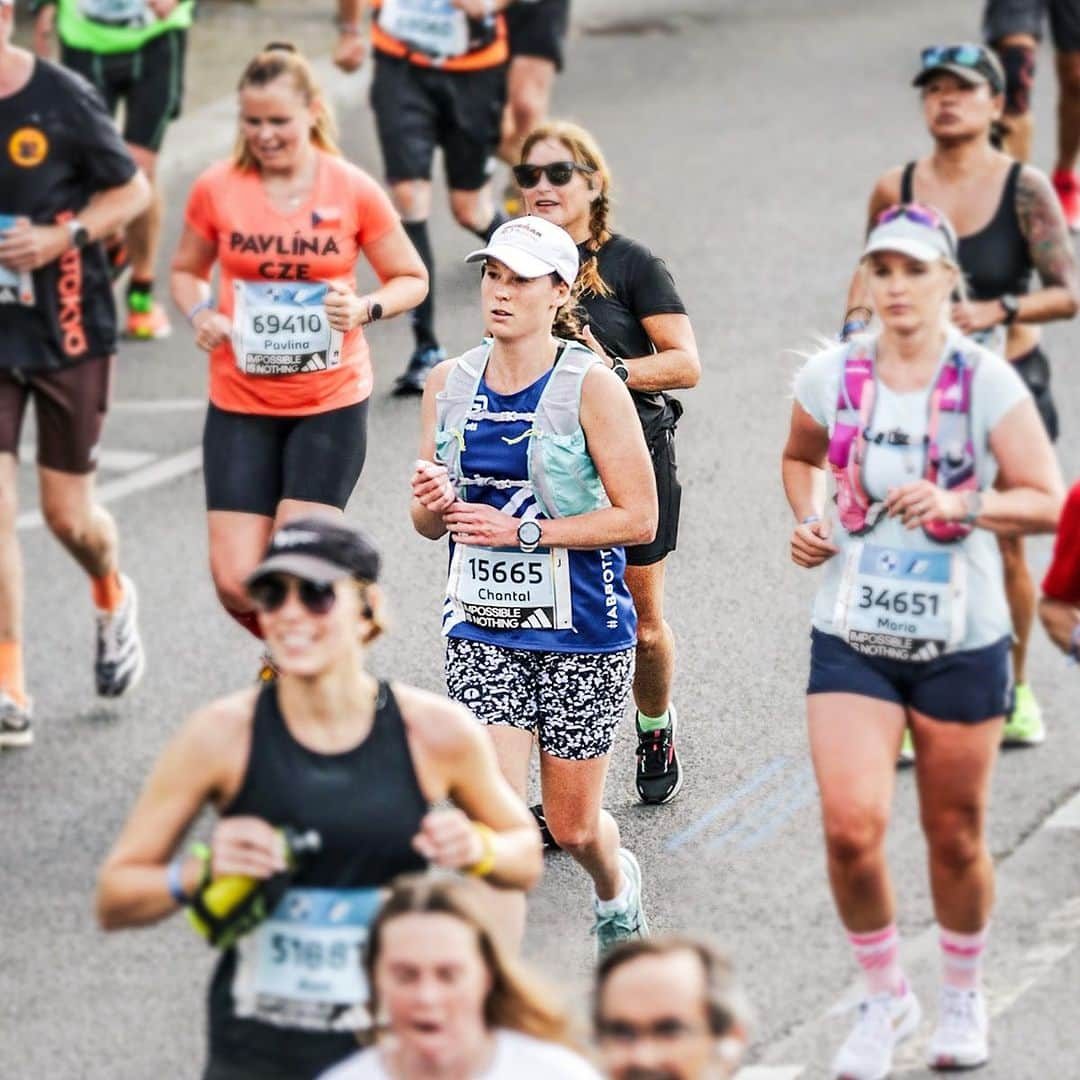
572,701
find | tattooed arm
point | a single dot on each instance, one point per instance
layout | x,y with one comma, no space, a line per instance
1043,224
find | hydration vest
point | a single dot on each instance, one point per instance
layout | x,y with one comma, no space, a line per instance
949,444
562,476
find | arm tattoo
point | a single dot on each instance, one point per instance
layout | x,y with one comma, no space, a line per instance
1043,224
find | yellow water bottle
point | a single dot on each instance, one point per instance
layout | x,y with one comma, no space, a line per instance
229,907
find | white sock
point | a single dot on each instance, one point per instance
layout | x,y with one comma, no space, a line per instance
618,903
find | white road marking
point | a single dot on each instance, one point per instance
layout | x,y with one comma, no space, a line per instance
1066,816
110,460
770,1072
160,472
159,405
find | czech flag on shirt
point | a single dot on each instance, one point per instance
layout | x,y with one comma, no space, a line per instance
326,217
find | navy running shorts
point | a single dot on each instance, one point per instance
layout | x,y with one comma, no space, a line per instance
965,687
1004,17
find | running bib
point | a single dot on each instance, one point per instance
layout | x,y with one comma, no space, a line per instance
303,967
508,589
282,329
117,12
434,27
16,286
901,605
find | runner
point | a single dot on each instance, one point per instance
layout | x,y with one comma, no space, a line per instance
1014,28
133,52
67,181
541,477
636,322
1010,224
454,1002
537,36
1059,607
287,219
324,747
439,82
911,623
668,1008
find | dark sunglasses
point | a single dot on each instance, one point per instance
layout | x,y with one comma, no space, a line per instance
270,593
558,173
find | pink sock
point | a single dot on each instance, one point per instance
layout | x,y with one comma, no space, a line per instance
962,957
878,954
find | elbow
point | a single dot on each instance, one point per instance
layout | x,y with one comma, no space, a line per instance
692,374
106,910
645,526
533,865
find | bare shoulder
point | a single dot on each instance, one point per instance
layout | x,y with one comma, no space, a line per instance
887,189
224,724
438,375
440,726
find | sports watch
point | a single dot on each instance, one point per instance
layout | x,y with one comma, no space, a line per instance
374,310
529,534
618,365
1011,304
77,233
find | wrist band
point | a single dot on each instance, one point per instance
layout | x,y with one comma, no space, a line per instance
486,863
810,519
203,305
852,327
174,878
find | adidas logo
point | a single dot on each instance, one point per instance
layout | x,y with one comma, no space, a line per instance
537,621
929,651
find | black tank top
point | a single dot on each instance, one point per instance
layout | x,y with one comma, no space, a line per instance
366,804
997,259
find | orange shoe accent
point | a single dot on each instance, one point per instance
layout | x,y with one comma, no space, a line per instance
108,591
148,325
12,677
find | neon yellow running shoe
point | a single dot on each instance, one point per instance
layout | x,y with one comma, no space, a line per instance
1025,725
907,750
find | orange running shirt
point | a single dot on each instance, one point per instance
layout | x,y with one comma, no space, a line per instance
317,242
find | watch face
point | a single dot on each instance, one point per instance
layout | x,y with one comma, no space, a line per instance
376,311
529,532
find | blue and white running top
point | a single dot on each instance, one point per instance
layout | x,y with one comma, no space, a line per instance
550,600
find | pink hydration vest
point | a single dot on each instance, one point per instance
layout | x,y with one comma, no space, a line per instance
950,448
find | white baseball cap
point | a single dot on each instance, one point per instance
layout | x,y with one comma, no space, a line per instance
914,230
532,247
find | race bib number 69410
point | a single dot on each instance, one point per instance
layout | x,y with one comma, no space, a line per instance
282,329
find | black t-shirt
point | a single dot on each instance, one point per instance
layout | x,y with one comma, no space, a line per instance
58,147
641,285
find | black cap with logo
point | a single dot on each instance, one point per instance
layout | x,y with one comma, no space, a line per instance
319,549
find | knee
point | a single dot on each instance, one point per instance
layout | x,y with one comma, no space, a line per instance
66,523
571,832
1069,75
9,507
955,838
230,588
527,110
652,634
466,211
853,835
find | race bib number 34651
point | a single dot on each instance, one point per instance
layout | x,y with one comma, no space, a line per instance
902,605
282,329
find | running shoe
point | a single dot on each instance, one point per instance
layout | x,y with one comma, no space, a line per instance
1067,186
412,380
907,750
960,1041
659,776
628,924
884,1021
146,319
120,657
15,729
1025,724
537,812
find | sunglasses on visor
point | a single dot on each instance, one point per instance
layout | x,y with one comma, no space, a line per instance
921,215
559,173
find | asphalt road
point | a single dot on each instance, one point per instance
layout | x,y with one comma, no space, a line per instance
744,137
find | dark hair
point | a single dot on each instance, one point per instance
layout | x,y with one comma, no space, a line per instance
723,999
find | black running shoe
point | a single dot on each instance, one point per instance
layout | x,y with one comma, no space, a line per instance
659,776
412,380
537,812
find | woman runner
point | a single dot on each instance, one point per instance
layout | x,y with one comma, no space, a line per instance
637,324
326,747
1010,223
287,219
935,446
532,462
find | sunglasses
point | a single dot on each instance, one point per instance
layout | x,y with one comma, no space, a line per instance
270,593
966,55
558,173
921,215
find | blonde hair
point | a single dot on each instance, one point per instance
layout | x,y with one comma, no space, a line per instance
276,60
516,1000
584,150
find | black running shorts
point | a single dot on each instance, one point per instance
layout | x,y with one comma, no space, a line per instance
149,81
538,28
418,109
1034,368
1004,17
251,462
669,502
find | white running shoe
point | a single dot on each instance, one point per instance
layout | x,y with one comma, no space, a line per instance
120,660
15,726
884,1021
961,1038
